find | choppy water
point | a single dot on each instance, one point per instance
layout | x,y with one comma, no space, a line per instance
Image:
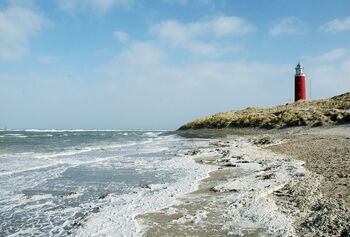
53,182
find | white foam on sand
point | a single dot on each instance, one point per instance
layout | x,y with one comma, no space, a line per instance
12,184
33,209
251,205
244,201
117,218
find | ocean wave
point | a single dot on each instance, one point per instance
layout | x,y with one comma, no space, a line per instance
71,163
151,134
73,150
84,130
14,135
50,159
174,176
118,214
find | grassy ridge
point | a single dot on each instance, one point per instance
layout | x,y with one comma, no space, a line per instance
335,110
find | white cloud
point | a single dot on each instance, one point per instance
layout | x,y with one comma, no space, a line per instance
329,79
138,55
204,37
22,3
337,25
181,2
198,2
228,25
221,26
99,6
143,71
210,2
121,36
332,55
287,26
17,26
151,63
47,59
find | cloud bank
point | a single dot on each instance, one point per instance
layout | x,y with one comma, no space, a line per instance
204,37
287,26
337,25
17,26
98,6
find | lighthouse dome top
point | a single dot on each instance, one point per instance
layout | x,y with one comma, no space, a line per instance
299,70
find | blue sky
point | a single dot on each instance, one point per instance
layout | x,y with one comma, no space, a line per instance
139,64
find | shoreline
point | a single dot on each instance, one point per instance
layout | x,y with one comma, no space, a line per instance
235,200
116,217
195,215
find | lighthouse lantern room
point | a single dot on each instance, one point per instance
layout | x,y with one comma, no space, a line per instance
300,84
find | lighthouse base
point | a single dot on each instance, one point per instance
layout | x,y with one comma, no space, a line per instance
300,88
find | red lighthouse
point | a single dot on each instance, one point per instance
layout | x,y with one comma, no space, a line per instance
300,84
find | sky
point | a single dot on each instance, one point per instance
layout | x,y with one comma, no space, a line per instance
141,64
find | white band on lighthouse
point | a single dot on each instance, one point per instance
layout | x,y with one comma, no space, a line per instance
299,70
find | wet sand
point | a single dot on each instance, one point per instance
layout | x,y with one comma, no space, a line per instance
316,200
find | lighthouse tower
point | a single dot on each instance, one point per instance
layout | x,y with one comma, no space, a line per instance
300,84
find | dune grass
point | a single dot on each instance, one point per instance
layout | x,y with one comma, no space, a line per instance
335,110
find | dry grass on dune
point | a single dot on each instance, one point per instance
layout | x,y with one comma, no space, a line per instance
335,110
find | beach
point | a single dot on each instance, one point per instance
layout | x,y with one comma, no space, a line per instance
206,182
285,182
320,202
174,118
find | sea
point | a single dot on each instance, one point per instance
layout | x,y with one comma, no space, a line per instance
90,182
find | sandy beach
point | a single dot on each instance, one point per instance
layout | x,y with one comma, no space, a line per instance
280,182
320,202
174,118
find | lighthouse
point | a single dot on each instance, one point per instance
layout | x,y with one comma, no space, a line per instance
300,84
